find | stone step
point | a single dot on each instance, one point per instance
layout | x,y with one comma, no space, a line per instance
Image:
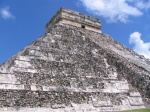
8,78
88,89
66,99
88,108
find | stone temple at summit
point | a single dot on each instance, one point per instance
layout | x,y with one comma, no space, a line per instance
74,67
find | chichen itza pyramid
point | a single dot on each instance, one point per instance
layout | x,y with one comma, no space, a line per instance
74,67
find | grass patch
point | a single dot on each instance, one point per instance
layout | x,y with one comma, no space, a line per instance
140,110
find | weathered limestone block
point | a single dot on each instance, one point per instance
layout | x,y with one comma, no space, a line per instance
122,85
8,78
23,58
22,64
14,69
102,104
33,52
109,87
33,88
135,101
41,43
135,94
10,86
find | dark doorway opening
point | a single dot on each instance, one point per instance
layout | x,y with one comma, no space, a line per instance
83,26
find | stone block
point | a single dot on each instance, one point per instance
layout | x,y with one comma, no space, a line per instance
102,103
135,101
8,78
56,106
110,88
125,102
23,58
41,44
22,64
134,94
122,85
45,88
12,69
33,88
20,87
73,83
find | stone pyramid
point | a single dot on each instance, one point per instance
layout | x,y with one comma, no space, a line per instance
74,67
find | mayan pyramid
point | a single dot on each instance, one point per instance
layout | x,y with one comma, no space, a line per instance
74,67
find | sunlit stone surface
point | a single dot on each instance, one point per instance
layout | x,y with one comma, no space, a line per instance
74,67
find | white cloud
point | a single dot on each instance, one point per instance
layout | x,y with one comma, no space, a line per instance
6,14
140,46
143,5
113,10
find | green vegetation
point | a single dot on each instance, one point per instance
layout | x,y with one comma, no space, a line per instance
141,110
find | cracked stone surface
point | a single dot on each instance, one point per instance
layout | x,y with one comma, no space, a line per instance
71,69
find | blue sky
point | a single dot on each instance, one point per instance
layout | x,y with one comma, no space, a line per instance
23,21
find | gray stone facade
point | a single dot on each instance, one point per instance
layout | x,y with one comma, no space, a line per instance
74,69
